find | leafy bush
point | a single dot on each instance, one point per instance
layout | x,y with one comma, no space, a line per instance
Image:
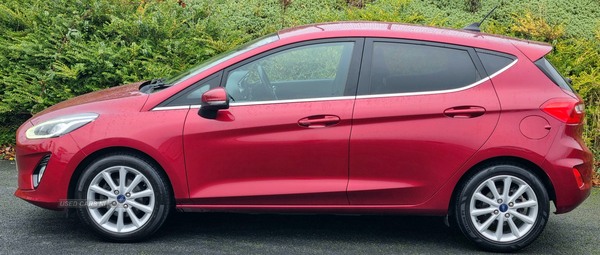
537,27
53,50
472,5
11,121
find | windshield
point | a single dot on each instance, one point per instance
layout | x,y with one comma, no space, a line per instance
218,59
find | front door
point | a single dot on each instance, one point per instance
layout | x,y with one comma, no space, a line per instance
285,137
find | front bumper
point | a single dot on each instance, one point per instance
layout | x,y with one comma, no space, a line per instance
54,184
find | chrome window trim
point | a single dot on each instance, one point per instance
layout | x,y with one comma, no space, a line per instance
287,101
197,106
293,100
440,91
167,108
503,69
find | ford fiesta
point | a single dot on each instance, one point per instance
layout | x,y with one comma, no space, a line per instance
349,117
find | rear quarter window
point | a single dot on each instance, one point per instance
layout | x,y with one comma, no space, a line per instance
548,69
494,62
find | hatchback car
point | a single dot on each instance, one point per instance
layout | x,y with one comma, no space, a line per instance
345,117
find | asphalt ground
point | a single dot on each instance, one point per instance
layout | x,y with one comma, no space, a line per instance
27,229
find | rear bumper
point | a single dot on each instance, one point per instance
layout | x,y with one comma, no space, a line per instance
568,153
568,194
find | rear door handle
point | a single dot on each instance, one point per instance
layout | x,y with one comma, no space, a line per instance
464,111
318,121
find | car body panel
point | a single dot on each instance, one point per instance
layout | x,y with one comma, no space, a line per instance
251,154
403,148
137,130
120,125
123,91
566,154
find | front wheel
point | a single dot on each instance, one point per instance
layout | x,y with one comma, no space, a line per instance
502,208
132,198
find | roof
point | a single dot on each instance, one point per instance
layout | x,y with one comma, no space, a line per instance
533,50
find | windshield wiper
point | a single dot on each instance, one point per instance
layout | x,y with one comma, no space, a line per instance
157,84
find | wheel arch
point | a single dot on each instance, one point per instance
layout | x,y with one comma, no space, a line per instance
105,151
534,168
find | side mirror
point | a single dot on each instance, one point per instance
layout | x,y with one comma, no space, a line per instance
212,101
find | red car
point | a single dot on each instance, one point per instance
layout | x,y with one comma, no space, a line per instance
346,117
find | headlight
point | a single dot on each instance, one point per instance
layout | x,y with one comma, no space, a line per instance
59,126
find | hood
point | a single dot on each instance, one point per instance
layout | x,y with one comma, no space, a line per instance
127,90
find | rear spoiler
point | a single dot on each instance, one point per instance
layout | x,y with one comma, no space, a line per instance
533,50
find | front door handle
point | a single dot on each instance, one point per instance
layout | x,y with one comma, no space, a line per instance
318,121
464,111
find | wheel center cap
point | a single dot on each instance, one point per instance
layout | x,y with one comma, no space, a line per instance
503,208
121,199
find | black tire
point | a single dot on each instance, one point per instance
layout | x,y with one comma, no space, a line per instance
464,201
163,199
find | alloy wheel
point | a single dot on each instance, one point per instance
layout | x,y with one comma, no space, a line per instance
503,208
125,199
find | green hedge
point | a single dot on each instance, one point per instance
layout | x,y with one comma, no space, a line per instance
53,50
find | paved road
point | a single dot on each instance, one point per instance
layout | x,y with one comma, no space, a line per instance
26,229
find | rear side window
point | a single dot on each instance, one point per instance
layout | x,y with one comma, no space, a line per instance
548,69
404,68
494,62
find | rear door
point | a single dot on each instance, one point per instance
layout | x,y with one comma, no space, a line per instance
422,110
285,137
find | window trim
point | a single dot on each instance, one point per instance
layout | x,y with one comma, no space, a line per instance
364,83
287,101
351,97
168,108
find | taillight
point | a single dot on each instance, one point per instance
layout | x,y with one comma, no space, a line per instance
567,110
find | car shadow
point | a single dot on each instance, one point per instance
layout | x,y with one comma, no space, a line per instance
263,233
292,228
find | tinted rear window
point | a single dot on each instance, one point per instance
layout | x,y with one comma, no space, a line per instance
403,68
494,62
552,73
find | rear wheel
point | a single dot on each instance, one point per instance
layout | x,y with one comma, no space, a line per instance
133,198
502,208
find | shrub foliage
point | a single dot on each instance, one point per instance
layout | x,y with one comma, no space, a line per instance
53,50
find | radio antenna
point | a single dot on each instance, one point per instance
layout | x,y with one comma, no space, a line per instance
475,26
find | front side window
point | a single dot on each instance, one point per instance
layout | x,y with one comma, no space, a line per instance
312,71
405,68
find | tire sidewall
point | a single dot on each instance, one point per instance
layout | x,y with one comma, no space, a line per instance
161,195
467,192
